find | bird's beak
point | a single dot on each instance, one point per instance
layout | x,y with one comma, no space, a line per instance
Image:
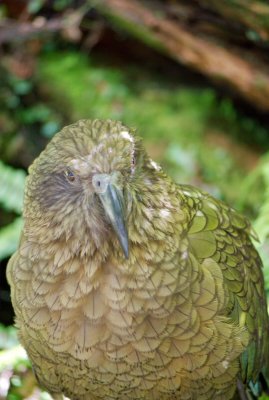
112,200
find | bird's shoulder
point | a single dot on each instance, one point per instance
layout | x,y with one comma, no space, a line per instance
210,214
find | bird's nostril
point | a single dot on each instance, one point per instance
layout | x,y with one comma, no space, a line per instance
100,182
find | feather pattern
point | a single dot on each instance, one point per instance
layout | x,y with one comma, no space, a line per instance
183,317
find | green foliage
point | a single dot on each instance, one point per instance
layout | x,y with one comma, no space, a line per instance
258,181
94,91
23,116
9,238
3,12
11,198
260,178
262,221
34,6
245,129
87,91
8,337
11,187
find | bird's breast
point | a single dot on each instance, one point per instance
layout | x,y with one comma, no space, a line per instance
132,328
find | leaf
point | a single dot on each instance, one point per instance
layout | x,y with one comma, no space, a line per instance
261,224
9,238
11,187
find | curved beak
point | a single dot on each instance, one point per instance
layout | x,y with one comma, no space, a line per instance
112,201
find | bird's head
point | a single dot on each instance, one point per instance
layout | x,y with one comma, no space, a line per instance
88,176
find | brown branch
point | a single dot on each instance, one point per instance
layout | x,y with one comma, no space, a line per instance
11,31
226,65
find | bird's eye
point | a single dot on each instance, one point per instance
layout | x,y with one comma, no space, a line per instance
70,176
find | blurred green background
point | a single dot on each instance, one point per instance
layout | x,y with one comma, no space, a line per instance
65,60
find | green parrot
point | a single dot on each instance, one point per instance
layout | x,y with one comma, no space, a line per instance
128,286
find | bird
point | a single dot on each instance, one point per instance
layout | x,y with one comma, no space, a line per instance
127,285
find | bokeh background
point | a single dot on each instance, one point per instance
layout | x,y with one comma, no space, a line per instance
191,76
